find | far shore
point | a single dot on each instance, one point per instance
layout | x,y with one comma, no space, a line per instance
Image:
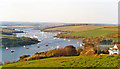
23,26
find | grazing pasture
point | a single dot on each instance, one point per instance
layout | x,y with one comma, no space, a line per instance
83,28
75,28
70,61
92,33
88,30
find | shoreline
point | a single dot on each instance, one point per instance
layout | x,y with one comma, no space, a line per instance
9,38
80,31
61,34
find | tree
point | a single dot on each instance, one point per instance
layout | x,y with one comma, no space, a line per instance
70,50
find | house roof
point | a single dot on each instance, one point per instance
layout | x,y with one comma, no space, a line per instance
117,45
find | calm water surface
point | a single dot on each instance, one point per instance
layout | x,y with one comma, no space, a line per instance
47,39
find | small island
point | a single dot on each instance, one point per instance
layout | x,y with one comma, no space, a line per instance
9,39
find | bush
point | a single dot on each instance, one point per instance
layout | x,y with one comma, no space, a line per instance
24,56
37,53
13,61
89,45
79,50
88,52
7,62
59,52
67,51
0,63
70,50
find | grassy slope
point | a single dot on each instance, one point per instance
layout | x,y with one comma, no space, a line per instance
93,33
76,28
80,28
74,61
89,30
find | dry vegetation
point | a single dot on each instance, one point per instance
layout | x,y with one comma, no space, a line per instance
80,28
110,28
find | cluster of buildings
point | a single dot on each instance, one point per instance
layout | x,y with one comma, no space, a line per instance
114,50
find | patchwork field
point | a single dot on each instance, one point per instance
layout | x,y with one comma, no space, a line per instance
75,28
73,61
89,30
82,28
93,33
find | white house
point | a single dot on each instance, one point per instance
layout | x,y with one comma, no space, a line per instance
114,50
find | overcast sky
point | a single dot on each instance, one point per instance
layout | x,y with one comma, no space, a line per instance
67,11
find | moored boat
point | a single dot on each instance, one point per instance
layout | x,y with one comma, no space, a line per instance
69,40
12,51
38,46
7,48
27,48
23,46
46,44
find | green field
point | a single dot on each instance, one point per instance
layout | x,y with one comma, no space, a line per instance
76,28
93,33
83,28
88,30
73,61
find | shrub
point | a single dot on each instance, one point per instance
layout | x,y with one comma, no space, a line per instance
0,63
6,62
79,49
13,61
37,53
58,52
89,45
67,51
88,52
24,56
70,50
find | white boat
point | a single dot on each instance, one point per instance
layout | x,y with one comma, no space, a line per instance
35,36
31,37
64,39
69,40
12,51
81,45
59,32
7,48
54,38
23,46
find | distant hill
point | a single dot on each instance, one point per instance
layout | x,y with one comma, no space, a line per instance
29,24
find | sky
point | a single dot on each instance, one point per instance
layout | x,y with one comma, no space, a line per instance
65,11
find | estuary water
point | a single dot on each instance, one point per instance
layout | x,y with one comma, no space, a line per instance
46,37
